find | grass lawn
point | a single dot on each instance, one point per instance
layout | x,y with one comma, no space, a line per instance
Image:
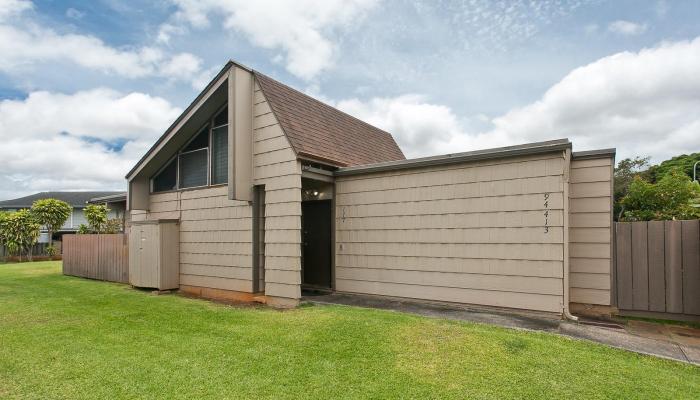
63,337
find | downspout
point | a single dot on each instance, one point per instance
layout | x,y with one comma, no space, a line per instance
567,170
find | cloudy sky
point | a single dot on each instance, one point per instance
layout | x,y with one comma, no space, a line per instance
87,87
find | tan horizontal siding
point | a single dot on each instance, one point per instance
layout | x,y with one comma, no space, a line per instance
528,301
590,248
504,219
503,283
215,236
483,266
527,202
469,233
275,165
501,251
590,296
215,282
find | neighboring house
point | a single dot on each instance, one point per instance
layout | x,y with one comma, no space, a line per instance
116,203
274,192
77,200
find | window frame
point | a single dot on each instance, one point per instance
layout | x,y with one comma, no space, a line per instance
209,127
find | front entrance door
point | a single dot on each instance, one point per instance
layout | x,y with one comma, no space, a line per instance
316,242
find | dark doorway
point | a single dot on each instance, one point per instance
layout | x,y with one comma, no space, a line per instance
316,243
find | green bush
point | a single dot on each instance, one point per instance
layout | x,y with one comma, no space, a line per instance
20,231
673,197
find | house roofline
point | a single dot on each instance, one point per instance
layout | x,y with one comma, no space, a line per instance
110,198
180,118
486,154
590,154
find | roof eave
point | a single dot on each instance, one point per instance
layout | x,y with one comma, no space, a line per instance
477,155
179,119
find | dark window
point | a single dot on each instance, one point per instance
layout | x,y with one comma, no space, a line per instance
193,168
200,141
167,178
219,155
203,161
221,118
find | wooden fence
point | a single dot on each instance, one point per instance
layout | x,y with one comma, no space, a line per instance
657,268
104,257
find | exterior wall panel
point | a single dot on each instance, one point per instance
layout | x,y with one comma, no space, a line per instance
590,230
275,165
468,233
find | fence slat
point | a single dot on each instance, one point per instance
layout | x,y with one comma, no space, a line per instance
656,264
640,267
103,257
674,273
691,266
624,265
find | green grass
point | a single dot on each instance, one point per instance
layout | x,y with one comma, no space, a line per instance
63,337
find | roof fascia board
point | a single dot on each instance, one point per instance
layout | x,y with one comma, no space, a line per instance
501,152
182,119
591,154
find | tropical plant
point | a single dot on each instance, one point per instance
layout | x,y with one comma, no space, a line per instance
51,250
20,232
675,196
113,225
52,214
96,215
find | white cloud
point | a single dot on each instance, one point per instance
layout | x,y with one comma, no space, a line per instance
13,8
627,28
419,127
72,13
24,44
54,141
302,30
642,103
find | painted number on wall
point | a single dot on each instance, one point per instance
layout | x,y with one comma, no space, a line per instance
546,213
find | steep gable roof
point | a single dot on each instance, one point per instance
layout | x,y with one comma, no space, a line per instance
75,199
321,132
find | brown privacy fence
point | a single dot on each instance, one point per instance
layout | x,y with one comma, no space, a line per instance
104,257
658,268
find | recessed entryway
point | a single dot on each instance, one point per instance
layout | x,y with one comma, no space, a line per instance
316,235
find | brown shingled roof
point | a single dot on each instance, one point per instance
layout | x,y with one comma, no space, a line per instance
319,131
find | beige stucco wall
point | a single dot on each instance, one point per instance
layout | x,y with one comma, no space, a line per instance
216,232
468,233
590,219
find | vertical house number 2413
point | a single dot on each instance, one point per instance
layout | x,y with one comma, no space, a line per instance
546,213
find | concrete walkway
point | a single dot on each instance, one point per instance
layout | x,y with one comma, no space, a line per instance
672,342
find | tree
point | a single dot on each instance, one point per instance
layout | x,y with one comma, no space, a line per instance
3,218
675,196
52,214
625,172
20,232
96,215
684,162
